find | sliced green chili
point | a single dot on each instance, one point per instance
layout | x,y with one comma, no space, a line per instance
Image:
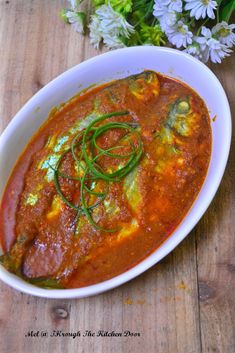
87,159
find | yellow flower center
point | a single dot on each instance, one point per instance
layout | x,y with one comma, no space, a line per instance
182,30
223,32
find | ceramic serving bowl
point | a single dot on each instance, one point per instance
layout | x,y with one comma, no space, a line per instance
103,68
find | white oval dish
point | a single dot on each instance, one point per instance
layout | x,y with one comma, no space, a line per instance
103,68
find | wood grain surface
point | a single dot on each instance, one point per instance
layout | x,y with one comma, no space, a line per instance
186,303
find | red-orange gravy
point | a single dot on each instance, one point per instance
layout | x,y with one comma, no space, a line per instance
49,243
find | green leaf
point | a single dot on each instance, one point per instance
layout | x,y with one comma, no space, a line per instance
152,35
63,15
123,7
227,11
98,3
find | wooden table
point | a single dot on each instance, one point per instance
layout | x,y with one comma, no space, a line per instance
184,304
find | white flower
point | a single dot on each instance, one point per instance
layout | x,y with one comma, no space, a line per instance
77,20
180,35
175,5
217,50
211,47
224,33
166,12
74,4
113,42
166,18
201,8
162,6
95,33
111,21
168,21
206,33
108,25
194,50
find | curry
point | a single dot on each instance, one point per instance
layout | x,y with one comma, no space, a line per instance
105,181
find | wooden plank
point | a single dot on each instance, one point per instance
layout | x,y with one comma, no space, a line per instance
162,304
216,248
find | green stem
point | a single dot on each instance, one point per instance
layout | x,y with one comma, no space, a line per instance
148,12
203,24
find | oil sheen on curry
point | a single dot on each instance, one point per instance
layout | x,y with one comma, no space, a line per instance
105,181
